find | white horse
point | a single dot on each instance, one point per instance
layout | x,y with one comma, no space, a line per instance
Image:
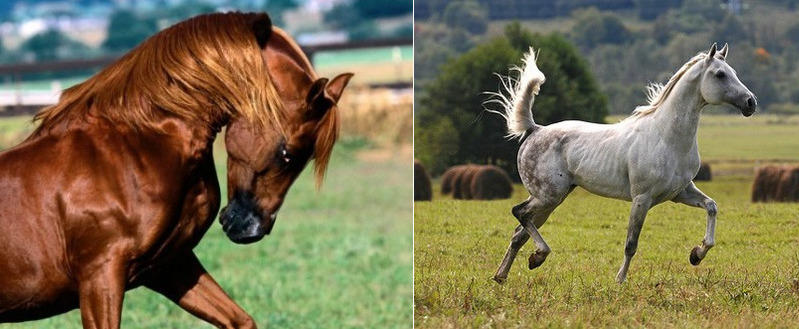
648,158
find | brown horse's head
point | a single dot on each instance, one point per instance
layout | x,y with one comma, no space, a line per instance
263,161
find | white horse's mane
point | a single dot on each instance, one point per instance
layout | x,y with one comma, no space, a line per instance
657,93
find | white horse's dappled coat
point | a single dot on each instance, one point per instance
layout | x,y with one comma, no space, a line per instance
647,158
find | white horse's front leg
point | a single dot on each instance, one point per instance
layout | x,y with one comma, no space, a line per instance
641,204
692,196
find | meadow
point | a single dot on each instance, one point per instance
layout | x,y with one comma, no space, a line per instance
339,257
750,279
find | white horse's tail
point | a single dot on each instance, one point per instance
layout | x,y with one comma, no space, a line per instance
516,106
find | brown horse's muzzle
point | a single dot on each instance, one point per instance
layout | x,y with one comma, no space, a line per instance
242,221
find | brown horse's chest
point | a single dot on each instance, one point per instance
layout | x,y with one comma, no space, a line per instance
186,224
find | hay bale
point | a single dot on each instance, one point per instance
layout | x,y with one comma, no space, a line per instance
767,181
422,188
788,189
466,181
448,177
704,173
457,192
491,182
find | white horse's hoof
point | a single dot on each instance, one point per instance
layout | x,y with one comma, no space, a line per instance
536,259
694,257
499,280
620,279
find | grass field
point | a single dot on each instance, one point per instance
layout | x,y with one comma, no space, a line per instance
337,258
749,280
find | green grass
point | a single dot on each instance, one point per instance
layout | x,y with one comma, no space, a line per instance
750,279
337,258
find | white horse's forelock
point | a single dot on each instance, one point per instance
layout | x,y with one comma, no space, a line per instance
656,93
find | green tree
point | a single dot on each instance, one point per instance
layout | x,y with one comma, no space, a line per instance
379,9
650,9
457,94
126,30
276,9
342,16
435,145
434,45
52,45
593,28
792,34
730,30
467,15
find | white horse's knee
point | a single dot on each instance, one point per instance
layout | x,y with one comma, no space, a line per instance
711,207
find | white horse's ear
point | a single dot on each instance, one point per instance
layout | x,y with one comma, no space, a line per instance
723,51
711,53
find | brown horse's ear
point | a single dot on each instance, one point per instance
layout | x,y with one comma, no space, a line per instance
336,86
318,102
262,29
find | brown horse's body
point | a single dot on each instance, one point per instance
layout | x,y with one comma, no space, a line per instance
95,203
92,205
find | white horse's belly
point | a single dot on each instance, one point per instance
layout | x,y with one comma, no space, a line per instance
597,162
604,176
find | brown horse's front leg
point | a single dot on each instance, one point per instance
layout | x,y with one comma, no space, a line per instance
186,283
100,293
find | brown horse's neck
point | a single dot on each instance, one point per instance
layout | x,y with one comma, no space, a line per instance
190,140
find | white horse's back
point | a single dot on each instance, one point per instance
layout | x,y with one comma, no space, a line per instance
592,154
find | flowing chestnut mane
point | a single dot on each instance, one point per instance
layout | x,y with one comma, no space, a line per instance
196,70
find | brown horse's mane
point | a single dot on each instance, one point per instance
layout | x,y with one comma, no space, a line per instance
197,70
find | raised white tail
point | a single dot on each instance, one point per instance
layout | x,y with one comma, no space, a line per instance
516,106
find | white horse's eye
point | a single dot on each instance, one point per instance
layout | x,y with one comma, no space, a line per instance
721,74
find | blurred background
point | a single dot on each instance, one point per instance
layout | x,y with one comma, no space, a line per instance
356,271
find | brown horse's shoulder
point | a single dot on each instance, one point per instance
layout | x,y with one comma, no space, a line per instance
127,185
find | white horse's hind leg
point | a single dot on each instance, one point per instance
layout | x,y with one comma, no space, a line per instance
531,214
520,237
692,196
541,247
641,204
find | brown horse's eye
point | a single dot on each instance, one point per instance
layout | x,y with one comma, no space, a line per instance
285,156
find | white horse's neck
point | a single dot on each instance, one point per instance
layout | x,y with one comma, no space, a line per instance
677,118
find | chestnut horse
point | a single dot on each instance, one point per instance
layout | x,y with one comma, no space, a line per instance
117,184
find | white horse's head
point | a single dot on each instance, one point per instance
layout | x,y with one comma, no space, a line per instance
719,85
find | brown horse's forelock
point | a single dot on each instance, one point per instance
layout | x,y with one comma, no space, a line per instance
199,70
